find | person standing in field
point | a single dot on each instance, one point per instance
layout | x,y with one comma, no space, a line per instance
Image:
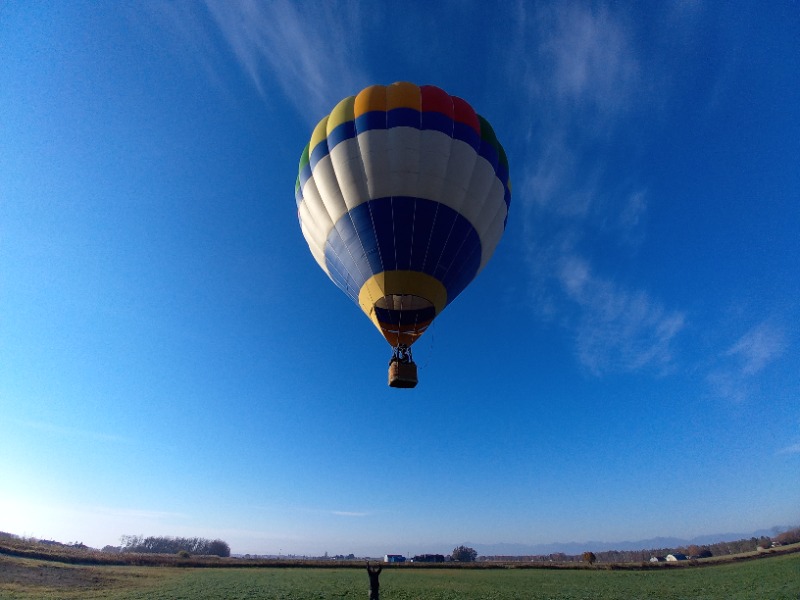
374,584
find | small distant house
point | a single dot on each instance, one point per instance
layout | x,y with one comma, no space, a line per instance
394,558
676,557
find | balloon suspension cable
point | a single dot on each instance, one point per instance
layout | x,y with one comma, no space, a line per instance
402,354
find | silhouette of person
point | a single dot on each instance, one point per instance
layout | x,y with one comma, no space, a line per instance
374,584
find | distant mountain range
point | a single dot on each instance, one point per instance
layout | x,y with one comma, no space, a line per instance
572,548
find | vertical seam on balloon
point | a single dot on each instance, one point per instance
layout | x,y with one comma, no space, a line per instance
458,207
371,220
444,246
335,266
361,243
430,237
418,170
492,241
312,181
464,262
438,204
375,233
471,199
304,224
391,198
488,201
411,244
394,247
367,198
349,213
373,300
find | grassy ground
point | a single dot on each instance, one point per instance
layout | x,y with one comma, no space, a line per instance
774,578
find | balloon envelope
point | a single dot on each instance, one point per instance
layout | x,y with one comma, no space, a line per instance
402,195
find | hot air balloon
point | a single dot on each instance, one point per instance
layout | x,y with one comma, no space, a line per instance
402,196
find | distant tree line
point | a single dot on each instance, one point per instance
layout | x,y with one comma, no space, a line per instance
173,545
428,558
692,551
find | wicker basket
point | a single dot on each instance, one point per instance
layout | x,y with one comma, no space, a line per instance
402,374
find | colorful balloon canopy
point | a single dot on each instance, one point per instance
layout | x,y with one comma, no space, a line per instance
402,195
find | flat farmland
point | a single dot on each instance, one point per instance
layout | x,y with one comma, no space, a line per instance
776,578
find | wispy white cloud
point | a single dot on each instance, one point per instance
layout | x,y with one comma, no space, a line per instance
75,432
592,58
316,511
793,449
583,75
758,347
189,28
349,513
304,54
729,384
734,375
136,514
618,328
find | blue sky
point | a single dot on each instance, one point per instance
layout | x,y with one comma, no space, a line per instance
173,362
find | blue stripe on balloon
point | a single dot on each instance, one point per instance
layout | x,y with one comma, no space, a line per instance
319,152
465,133
341,133
375,119
403,117
305,175
437,121
409,117
403,233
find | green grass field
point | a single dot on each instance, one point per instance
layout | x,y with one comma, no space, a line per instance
773,578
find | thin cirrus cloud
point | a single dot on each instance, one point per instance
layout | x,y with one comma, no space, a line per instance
585,77
591,56
350,513
335,512
307,53
758,347
793,449
619,328
75,432
136,514
735,376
